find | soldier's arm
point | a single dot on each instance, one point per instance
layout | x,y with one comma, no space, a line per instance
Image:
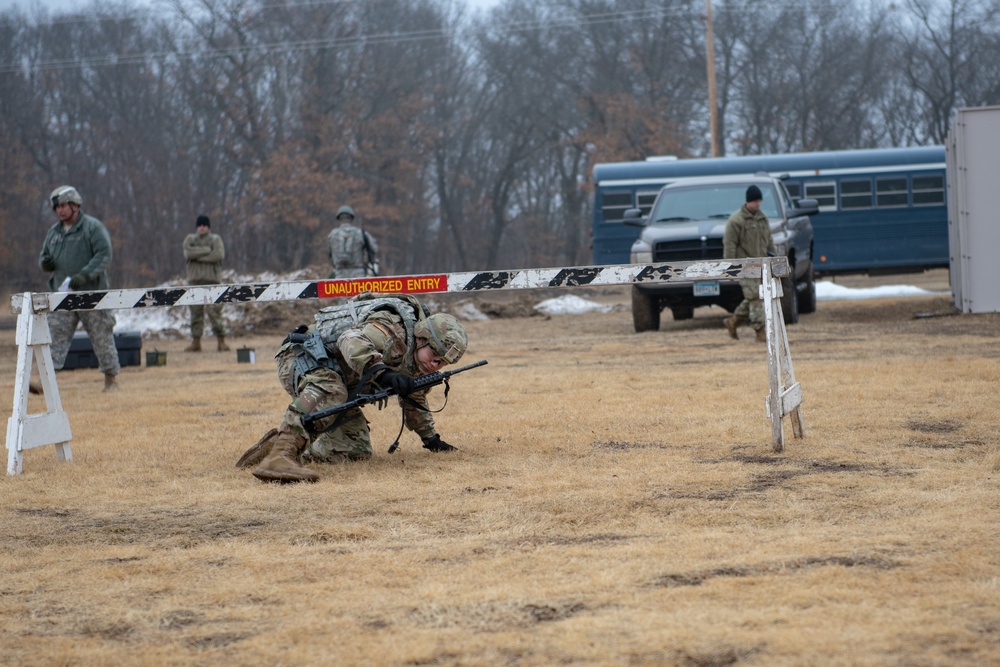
100,245
216,251
192,250
730,239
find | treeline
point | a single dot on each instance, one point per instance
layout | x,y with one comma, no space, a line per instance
464,140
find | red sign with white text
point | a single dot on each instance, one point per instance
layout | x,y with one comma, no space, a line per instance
332,289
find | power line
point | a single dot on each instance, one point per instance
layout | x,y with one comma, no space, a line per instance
372,39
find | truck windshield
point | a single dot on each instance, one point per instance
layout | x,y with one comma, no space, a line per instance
703,202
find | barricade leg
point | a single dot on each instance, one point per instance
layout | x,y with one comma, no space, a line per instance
785,394
26,431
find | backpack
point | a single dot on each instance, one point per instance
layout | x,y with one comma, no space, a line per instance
333,321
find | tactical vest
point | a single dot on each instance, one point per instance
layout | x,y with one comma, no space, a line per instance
333,321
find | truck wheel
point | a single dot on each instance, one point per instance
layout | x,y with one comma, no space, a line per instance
682,312
645,311
807,297
789,301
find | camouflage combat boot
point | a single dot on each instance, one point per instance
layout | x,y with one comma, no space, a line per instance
195,345
761,335
282,463
110,383
257,451
732,323
222,343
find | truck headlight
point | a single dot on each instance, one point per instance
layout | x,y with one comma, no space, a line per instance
641,253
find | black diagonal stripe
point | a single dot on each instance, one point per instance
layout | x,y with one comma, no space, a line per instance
575,277
653,273
160,297
81,301
310,292
489,280
241,293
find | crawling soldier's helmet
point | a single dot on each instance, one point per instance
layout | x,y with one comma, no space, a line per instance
65,194
345,210
445,335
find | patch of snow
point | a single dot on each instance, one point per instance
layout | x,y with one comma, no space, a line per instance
829,291
571,305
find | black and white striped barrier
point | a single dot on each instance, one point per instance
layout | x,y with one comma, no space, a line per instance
579,276
26,431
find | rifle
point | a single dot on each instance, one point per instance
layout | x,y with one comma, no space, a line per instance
382,395
371,264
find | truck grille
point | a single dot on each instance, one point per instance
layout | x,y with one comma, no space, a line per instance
687,250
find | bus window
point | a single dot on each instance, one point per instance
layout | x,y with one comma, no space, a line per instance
856,194
615,204
644,201
891,191
928,190
824,192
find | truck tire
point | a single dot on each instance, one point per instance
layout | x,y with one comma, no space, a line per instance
682,312
645,311
807,297
789,301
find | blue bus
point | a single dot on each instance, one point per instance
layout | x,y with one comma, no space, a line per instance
881,210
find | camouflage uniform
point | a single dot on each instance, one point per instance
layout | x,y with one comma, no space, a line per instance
204,255
380,339
346,249
748,234
84,250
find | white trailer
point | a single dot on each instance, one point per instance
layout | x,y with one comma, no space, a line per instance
972,154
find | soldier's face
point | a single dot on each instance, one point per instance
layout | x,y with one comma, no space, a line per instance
428,360
202,230
753,206
65,212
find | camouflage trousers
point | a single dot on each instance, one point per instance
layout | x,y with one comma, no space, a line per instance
316,390
751,308
99,324
214,315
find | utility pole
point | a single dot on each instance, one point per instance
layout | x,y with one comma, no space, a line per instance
710,53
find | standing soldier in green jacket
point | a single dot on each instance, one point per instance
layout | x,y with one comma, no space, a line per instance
748,234
77,250
204,253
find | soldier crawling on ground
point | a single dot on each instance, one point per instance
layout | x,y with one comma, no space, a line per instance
391,344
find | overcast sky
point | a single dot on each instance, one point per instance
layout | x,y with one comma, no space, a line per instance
62,5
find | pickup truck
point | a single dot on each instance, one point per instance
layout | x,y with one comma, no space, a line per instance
687,222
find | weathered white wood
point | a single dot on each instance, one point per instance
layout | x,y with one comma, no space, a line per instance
26,431
785,394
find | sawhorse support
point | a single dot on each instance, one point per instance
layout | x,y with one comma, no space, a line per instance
26,431
785,395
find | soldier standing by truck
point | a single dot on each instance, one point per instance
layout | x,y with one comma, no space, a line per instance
748,234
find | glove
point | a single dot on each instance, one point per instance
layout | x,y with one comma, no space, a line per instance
401,383
436,444
78,281
48,265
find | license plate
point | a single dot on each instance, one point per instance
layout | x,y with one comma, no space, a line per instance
706,289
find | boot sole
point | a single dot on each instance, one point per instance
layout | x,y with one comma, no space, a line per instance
257,451
281,478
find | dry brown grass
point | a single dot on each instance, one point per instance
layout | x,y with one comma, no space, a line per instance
616,502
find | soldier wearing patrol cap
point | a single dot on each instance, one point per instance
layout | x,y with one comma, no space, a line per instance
387,348
77,252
